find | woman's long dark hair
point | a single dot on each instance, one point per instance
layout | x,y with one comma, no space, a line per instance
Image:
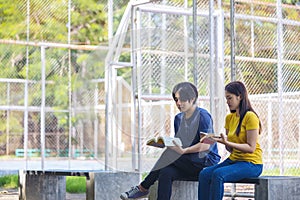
238,88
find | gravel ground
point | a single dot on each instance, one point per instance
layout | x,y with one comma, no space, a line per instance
9,194
13,194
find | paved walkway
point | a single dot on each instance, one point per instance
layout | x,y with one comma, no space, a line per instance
123,164
10,165
9,194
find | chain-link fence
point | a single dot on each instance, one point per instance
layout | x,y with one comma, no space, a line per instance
56,110
267,60
52,82
167,48
54,92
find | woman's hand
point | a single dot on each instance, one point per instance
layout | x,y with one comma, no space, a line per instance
222,139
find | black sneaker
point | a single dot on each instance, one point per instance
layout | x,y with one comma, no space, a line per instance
134,193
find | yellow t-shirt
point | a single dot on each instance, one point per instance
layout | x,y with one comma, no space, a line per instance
249,122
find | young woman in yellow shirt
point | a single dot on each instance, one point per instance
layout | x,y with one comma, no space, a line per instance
242,127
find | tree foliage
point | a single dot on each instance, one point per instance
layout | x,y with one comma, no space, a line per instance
49,22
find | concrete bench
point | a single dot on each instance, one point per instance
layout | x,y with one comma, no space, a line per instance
180,190
275,187
51,184
266,188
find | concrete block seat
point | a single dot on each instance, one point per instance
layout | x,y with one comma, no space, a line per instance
180,190
276,187
266,188
51,184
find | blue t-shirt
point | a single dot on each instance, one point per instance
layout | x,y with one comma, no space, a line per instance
188,130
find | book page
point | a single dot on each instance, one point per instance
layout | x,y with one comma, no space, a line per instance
163,141
169,141
203,134
156,142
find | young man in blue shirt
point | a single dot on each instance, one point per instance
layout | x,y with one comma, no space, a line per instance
186,161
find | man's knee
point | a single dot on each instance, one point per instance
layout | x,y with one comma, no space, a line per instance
167,172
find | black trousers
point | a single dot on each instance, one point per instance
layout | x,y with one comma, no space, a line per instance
169,167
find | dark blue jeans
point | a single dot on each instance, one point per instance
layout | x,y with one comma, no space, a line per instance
180,169
212,179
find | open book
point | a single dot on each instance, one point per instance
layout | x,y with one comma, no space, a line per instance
164,141
208,138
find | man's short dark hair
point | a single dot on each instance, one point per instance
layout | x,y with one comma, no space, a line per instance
187,91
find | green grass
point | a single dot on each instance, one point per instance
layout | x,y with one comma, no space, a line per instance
74,184
9,181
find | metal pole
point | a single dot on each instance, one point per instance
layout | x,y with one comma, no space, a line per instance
186,43
110,22
96,121
108,113
280,84
113,124
8,118
119,116
137,62
195,42
232,54
134,96
232,40
163,56
43,86
69,86
211,57
26,88
252,32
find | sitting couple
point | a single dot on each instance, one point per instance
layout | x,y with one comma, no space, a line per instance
200,161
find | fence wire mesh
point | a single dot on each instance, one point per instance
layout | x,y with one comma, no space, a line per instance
168,49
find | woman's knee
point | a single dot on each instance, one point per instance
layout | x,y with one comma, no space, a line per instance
204,174
217,175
